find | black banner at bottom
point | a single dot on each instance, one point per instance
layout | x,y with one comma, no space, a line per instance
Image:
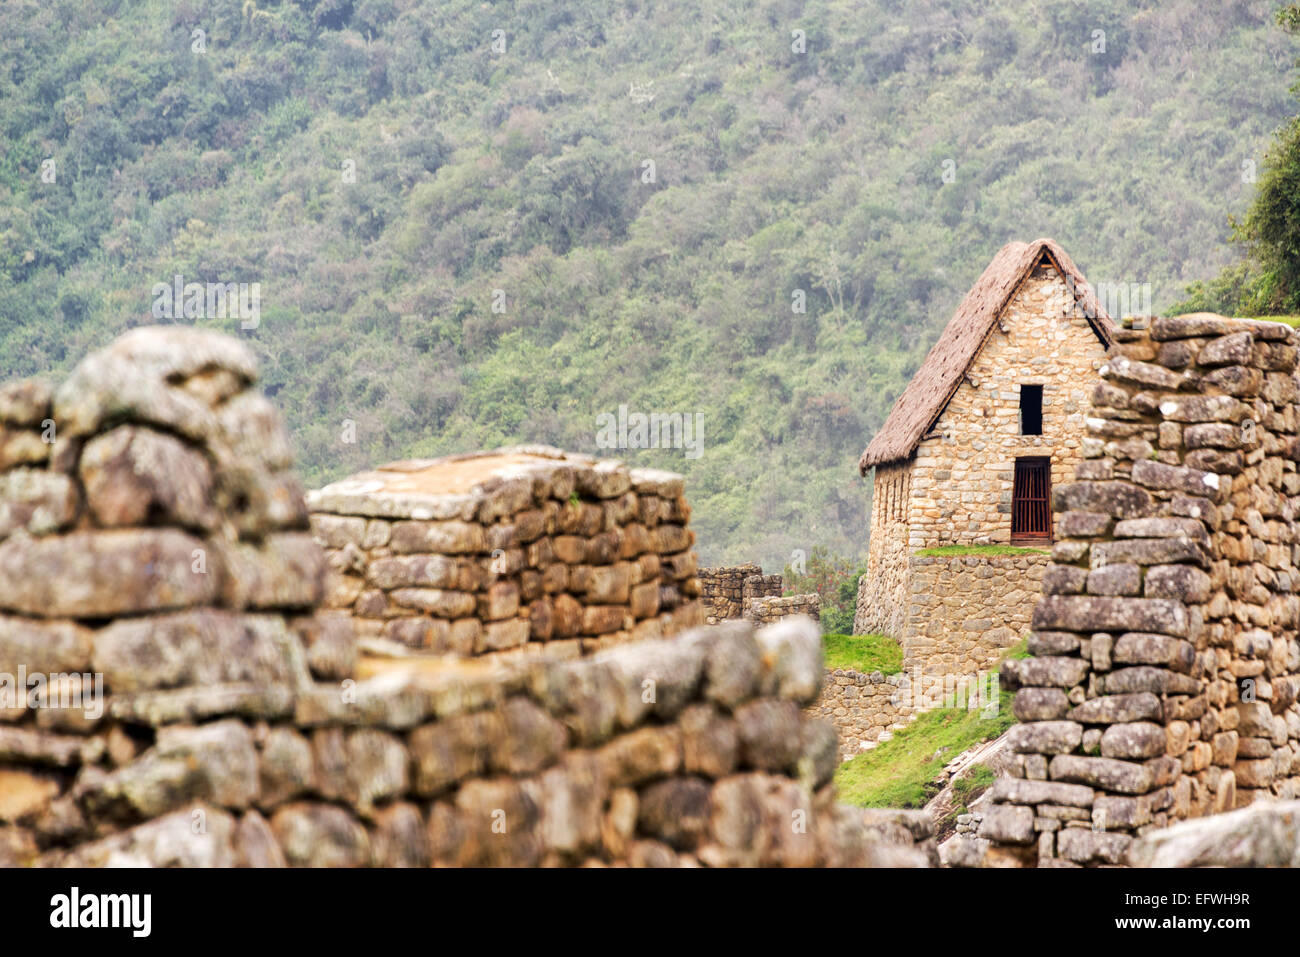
895,908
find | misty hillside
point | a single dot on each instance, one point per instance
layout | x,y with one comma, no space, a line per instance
478,223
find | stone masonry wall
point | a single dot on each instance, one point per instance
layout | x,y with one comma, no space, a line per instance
170,696
766,610
743,591
1166,666
762,586
965,611
865,709
518,549
461,763
722,590
883,591
961,479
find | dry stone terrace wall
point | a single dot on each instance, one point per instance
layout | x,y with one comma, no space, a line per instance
863,707
523,549
195,709
965,611
1166,665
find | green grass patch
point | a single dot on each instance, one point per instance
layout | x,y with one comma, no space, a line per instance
899,772
943,551
1292,321
966,789
864,653
978,779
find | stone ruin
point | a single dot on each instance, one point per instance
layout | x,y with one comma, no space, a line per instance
173,693
723,589
517,550
1165,670
744,592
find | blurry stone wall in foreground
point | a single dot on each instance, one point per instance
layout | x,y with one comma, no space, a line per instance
171,695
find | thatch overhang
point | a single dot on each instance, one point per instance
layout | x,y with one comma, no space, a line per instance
947,363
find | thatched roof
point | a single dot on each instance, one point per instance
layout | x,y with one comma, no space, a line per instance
934,384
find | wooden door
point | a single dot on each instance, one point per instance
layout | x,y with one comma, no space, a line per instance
1031,502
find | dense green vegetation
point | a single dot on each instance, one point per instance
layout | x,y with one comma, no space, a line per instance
834,579
863,653
383,167
1266,282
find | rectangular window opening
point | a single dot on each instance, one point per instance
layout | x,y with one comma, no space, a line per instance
1031,410
1031,502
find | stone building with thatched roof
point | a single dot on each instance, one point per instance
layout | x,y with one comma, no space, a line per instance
968,456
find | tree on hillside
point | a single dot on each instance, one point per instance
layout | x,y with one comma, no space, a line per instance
1267,282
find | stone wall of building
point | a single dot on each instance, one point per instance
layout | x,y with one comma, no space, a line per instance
965,611
1166,663
514,550
170,694
961,480
883,591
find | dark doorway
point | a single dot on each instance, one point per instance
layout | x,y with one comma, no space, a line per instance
1031,502
1031,410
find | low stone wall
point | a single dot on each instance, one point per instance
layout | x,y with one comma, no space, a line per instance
458,762
964,611
767,610
1166,667
520,548
722,590
743,591
762,586
862,708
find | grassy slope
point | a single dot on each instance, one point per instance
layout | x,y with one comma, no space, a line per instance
899,772
863,653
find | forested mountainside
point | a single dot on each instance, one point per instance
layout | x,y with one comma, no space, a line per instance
476,223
